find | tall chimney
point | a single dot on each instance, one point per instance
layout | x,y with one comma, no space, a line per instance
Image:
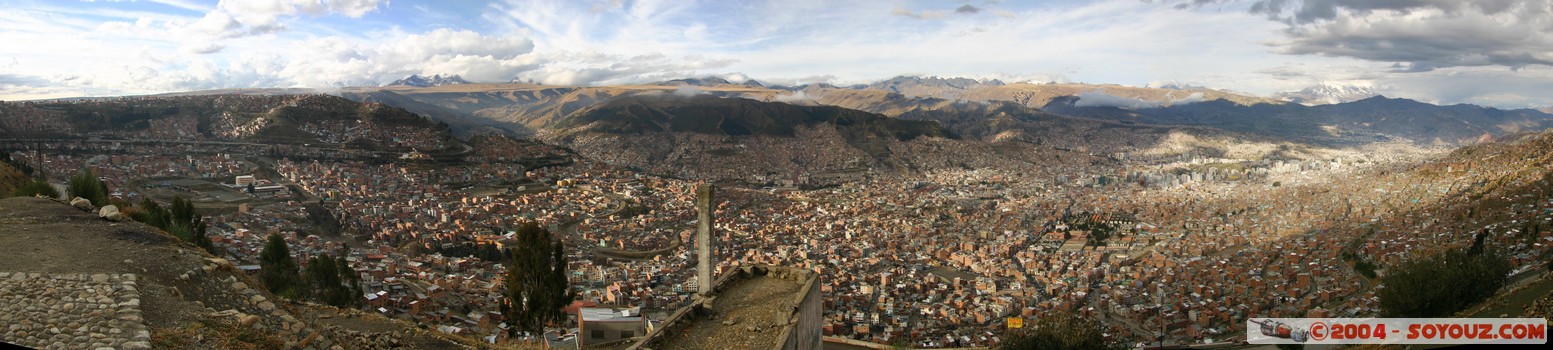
704,263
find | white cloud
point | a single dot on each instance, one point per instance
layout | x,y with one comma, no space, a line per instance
929,15
795,97
688,90
135,64
203,48
238,18
1420,35
332,60
353,8
1099,98
585,68
288,43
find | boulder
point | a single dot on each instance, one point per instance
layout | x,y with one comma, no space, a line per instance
111,212
81,203
248,320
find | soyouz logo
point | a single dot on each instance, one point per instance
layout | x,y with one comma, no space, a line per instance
1397,331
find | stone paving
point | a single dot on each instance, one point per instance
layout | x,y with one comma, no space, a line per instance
71,311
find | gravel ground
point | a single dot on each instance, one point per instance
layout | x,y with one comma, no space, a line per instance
749,316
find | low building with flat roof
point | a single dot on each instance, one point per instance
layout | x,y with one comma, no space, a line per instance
601,325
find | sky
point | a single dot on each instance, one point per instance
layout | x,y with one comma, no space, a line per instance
1489,52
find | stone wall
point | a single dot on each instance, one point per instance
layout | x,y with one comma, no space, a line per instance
71,311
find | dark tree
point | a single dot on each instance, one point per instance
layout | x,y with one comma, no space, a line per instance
331,281
1099,232
1365,268
536,287
278,270
1439,285
351,280
1060,331
86,185
179,220
1477,243
321,273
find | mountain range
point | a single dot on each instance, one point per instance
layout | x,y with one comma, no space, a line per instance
884,125
435,80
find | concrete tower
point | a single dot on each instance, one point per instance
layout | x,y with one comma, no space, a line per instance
705,260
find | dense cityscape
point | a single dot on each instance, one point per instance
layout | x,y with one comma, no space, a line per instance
942,258
756,174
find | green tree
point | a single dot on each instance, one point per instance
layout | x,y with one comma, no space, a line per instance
186,224
200,238
151,213
179,220
1365,268
352,281
1063,330
86,185
1099,232
1439,285
536,287
278,270
325,279
36,187
333,281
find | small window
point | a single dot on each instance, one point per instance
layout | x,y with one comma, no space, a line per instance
597,334
627,334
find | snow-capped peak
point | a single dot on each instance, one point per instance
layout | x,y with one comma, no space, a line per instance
1329,93
436,80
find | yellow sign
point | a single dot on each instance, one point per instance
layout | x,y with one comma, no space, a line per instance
1016,323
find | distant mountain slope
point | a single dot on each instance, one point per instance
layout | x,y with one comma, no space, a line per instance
541,107
713,115
735,117
1368,120
931,86
462,124
538,106
736,139
286,119
1032,95
1420,122
709,82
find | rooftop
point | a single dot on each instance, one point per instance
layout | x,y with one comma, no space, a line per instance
753,308
604,314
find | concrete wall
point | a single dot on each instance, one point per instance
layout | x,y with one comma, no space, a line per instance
804,330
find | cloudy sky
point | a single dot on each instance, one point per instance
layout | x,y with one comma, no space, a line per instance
1492,52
